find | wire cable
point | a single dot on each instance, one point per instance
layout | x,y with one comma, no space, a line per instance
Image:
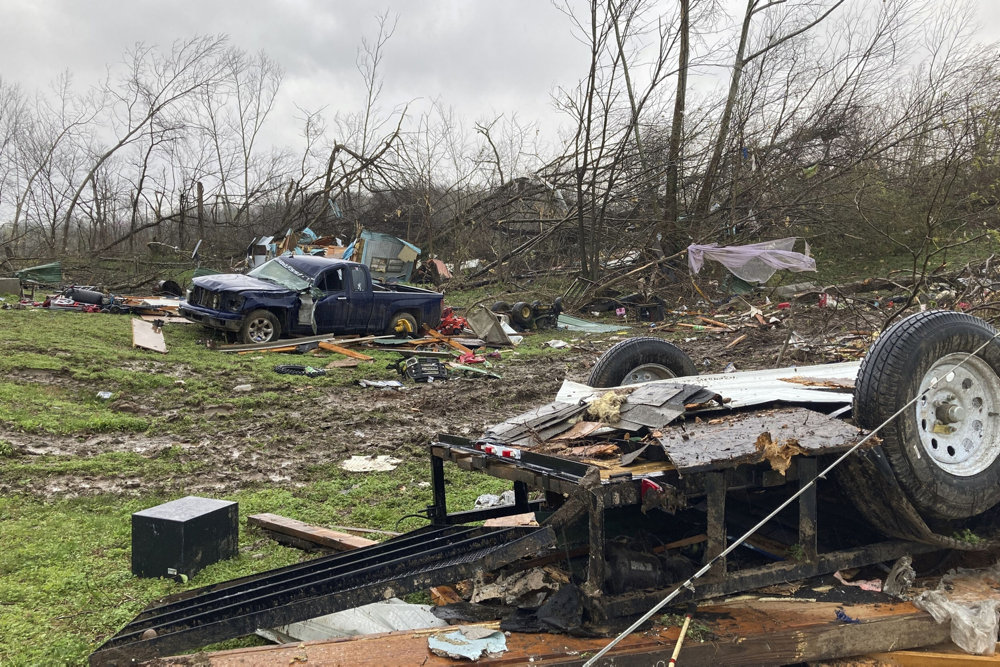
688,584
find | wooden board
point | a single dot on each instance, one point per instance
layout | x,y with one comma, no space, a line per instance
731,440
744,633
942,655
332,347
148,337
300,531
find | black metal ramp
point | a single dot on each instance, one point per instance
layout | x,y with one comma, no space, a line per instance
405,564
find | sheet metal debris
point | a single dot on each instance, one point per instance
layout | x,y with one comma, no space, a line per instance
576,324
751,388
470,642
389,616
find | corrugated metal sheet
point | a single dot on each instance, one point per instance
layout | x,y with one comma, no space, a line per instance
749,388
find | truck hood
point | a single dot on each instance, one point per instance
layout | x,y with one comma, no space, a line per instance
237,282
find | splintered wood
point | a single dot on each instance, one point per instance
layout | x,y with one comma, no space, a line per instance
733,440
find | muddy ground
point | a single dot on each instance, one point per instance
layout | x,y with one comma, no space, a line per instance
287,445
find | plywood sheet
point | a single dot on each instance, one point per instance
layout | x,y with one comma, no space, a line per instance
146,336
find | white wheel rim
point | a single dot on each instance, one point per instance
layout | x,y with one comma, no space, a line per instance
260,330
957,416
648,373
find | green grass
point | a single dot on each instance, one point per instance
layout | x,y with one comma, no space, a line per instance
65,579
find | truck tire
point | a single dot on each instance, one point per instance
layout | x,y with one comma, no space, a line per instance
640,360
522,314
260,326
944,449
403,323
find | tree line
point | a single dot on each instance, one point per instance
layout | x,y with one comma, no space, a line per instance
863,127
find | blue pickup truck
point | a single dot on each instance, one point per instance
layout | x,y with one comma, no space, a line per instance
305,295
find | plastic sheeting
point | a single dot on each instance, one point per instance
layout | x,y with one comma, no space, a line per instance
754,263
969,600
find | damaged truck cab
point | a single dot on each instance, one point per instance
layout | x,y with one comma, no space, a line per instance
303,295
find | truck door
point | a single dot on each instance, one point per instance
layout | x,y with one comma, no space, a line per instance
333,307
362,299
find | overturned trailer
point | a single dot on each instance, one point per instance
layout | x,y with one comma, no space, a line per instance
636,487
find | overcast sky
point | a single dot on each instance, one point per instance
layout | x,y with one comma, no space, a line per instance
479,56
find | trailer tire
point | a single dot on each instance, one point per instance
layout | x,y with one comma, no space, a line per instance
944,449
640,360
260,326
403,323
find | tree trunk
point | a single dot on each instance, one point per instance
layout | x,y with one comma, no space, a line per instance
708,183
671,228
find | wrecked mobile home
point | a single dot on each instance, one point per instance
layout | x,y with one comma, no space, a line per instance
681,488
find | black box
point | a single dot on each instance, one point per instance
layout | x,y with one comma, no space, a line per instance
183,536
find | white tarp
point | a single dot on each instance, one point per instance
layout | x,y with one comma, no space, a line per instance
754,263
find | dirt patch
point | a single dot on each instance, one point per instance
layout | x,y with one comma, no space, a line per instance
282,447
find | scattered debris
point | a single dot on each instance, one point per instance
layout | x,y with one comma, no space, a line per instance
576,324
873,585
302,535
528,588
486,325
421,369
556,344
493,500
147,336
900,578
382,384
843,617
296,369
970,600
380,463
778,453
391,615
104,395
470,642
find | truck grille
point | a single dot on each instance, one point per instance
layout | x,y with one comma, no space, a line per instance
205,298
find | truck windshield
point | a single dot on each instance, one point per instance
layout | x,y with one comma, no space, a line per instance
277,271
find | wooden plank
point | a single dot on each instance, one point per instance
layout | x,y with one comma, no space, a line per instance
941,655
715,323
333,347
759,633
323,537
736,341
256,347
148,337
445,339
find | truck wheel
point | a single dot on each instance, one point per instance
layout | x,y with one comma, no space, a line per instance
944,449
640,360
260,326
522,313
404,324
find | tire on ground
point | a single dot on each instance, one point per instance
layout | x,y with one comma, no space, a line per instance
260,326
639,360
500,307
522,314
403,323
944,449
